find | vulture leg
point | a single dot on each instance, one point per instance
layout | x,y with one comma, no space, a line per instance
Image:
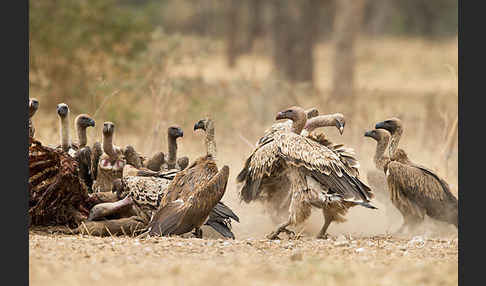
105,209
282,227
327,221
198,232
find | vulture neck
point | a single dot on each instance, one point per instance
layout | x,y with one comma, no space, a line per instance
82,138
299,123
171,162
108,146
321,121
210,143
395,139
379,158
65,140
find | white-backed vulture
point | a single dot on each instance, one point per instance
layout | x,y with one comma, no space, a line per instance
415,190
111,162
275,193
33,106
317,176
376,178
272,193
193,197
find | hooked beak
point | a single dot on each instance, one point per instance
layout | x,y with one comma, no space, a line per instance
92,123
380,125
340,127
199,125
367,134
280,115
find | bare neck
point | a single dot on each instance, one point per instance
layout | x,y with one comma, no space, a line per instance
299,123
172,141
108,146
380,159
210,143
65,138
395,139
320,121
82,138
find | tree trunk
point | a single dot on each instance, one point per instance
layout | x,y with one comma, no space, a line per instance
294,35
346,28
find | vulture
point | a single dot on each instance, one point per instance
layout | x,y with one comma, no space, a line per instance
376,178
415,190
316,175
272,195
280,199
78,150
144,193
110,163
153,167
173,162
194,196
33,106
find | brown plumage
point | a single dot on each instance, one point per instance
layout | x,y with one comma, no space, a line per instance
316,174
274,189
156,161
376,178
193,194
111,162
143,193
415,190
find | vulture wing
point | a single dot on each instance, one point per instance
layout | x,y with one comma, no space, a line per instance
186,213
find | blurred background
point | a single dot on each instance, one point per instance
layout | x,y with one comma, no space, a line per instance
146,65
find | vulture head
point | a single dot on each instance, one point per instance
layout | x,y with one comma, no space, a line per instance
84,121
108,128
392,125
293,113
33,106
175,132
203,124
378,134
62,110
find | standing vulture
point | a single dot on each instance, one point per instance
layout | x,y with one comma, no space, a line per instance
272,194
193,197
415,190
316,174
111,162
376,178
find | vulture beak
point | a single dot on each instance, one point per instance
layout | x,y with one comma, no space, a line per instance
280,115
200,125
92,123
181,133
368,134
340,126
380,125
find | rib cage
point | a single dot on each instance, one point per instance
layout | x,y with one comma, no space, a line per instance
56,194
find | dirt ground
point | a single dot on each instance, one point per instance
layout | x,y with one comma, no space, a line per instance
58,259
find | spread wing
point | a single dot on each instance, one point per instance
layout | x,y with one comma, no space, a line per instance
184,214
287,148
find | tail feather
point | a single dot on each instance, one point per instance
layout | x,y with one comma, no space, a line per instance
221,227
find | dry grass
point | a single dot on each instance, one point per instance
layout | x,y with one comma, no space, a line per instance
408,78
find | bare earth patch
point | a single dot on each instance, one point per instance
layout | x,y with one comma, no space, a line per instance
56,259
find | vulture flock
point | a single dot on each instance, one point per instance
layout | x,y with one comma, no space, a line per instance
105,189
